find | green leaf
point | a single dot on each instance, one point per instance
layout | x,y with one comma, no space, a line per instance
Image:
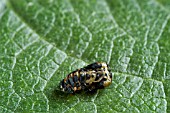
41,41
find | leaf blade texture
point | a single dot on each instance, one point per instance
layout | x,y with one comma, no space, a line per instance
42,41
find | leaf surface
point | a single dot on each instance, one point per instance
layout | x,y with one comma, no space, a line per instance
41,41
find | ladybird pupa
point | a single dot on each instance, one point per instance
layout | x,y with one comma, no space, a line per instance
91,77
